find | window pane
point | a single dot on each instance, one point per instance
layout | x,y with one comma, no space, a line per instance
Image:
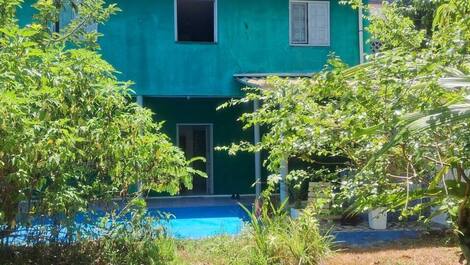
319,23
299,21
195,20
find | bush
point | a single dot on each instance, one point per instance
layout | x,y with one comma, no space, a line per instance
273,238
105,252
130,237
140,240
282,240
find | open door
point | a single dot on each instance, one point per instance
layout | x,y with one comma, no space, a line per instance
195,140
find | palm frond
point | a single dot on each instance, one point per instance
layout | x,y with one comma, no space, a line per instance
415,123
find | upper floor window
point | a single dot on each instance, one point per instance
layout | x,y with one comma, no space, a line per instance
310,23
196,20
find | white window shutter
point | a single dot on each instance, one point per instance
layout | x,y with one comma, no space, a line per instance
319,23
299,23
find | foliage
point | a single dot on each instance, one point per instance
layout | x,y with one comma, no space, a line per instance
70,134
420,11
272,238
362,113
139,239
278,239
129,236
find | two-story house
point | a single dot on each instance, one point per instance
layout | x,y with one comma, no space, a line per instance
187,57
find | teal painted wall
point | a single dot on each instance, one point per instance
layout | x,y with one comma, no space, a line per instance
25,13
232,174
253,36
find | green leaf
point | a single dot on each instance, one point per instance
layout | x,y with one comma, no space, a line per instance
438,177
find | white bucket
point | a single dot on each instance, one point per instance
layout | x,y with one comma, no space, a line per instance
441,219
378,219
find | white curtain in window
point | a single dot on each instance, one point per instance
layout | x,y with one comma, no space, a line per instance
299,23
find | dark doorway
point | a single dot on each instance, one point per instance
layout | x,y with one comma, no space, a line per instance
195,141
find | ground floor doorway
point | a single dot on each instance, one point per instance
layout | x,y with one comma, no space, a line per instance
196,141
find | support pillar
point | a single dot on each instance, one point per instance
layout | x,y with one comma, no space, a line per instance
257,139
284,170
140,102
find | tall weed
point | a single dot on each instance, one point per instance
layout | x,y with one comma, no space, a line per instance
278,239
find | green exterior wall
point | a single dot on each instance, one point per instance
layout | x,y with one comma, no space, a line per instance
25,12
232,174
253,37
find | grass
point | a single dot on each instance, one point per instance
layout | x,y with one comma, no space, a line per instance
429,250
214,251
226,250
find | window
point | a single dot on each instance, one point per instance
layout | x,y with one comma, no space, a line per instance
196,20
310,23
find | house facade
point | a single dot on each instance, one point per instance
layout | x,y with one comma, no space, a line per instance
186,57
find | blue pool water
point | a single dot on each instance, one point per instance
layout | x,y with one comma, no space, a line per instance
205,221
194,222
197,222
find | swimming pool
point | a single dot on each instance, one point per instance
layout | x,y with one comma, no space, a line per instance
198,221
204,221
186,222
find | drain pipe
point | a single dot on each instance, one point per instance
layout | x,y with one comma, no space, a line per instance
361,34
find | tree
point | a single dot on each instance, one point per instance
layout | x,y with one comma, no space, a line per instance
421,12
70,133
362,113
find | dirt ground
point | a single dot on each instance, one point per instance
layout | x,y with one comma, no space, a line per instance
422,252
428,250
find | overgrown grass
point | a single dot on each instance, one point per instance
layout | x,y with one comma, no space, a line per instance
272,238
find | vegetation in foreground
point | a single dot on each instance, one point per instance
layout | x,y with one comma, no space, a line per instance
70,133
227,250
273,238
399,124
428,250
71,136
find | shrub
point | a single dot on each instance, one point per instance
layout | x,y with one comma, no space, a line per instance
130,237
140,240
278,239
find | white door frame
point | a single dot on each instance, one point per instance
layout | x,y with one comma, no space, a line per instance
210,126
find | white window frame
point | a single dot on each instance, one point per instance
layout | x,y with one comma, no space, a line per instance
308,44
216,26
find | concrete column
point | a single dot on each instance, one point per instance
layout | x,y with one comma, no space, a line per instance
284,170
257,139
140,102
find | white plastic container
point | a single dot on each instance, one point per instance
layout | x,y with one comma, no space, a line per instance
378,219
441,219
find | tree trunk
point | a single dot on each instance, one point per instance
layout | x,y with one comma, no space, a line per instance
464,234
463,222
